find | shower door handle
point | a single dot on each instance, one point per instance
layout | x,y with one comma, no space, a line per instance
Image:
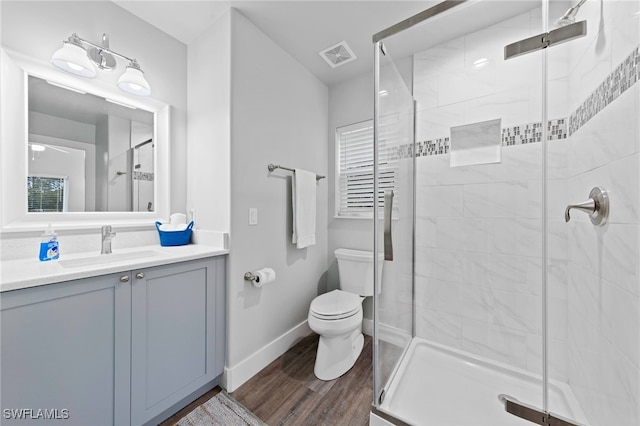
388,241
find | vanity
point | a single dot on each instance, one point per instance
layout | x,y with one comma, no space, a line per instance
129,342
127,338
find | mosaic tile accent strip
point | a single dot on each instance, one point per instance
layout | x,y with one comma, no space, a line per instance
148,176
525,133
622,78
532,132
514,135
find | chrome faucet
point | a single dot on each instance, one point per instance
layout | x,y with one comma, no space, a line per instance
597,206
107,235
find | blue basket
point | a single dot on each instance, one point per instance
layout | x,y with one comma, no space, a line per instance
174,238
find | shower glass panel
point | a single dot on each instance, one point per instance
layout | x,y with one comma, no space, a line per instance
478,276
394,136
512,303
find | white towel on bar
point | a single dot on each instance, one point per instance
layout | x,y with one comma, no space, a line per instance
303,196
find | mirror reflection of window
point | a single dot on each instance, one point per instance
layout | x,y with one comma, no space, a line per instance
92,141
47,194
47,161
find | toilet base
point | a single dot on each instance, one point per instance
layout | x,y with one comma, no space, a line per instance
337,354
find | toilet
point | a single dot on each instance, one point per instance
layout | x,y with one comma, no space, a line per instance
337,315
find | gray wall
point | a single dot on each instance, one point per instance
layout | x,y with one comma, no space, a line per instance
252,104
209,122
279,114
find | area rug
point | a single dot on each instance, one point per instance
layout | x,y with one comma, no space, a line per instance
220,410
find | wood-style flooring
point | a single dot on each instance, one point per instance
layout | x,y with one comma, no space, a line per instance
286,392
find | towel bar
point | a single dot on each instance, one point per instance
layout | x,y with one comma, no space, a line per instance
272,167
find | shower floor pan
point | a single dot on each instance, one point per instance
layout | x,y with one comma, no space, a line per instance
439,386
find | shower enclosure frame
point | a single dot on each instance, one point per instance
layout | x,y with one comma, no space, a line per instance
521,47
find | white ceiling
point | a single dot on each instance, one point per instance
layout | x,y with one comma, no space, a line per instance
304,28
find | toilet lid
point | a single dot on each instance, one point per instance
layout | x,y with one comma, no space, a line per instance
336,304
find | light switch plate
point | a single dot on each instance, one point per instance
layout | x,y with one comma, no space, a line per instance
253,216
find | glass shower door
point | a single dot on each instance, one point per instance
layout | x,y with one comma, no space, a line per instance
512,306
472,306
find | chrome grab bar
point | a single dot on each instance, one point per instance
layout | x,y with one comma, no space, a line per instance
597,206
388,240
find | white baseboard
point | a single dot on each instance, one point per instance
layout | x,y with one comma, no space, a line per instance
394,335
367,327
388,333
234,376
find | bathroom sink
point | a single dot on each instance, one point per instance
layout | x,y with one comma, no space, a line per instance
103,259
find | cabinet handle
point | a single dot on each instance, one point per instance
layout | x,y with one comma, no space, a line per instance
124,279
140,275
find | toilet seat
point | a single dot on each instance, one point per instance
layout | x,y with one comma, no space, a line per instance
335,305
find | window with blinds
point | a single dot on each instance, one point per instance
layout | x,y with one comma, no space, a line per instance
355,196
45,194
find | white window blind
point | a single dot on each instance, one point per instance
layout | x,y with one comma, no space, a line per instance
355,169
46,194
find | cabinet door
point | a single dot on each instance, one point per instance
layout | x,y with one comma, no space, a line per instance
173,333
65,353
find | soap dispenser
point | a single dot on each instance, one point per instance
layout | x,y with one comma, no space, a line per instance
49,245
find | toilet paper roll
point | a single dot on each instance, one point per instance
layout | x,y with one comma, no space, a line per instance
264,276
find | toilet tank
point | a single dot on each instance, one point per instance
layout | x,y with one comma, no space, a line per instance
355,268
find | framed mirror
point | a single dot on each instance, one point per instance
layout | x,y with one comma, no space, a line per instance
78,153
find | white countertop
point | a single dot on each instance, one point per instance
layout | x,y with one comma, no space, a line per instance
25,273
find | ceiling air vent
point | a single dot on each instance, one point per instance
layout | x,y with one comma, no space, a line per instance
338,54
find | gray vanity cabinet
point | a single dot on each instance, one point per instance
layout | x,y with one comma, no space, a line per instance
116,349
174,334
65,348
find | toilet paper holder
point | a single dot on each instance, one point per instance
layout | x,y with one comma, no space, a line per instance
249,276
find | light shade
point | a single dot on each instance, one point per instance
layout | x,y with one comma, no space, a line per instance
73,59
133,81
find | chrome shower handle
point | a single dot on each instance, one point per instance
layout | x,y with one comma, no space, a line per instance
597,206
388,240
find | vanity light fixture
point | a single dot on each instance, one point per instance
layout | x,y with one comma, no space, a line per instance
74,58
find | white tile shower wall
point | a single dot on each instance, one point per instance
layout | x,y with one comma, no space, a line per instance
451,90
594,313
604,281
479,244
479,249
603,287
